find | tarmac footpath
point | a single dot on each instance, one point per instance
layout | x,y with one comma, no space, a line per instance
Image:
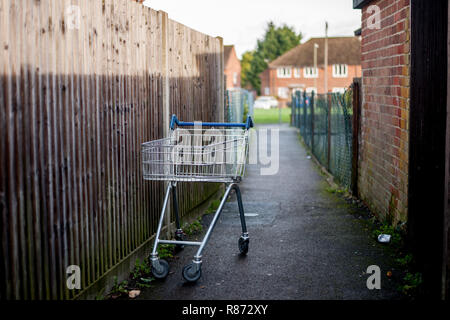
305,243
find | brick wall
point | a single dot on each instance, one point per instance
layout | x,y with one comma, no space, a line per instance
232,66
383,163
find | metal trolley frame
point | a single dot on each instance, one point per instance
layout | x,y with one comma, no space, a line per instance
197,154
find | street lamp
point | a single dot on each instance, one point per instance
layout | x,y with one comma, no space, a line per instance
326,57
316,46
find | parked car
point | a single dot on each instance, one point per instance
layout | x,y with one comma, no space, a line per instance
265,102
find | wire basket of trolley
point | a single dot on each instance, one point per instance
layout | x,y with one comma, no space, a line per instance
196,152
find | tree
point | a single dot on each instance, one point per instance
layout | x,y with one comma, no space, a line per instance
246,64
276,41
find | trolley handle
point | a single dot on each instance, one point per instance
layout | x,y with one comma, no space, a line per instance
247,125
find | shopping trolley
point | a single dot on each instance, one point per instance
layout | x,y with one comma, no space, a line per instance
204,152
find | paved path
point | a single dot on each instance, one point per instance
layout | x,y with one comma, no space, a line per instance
304,242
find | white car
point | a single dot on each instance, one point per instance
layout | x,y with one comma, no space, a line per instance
265,102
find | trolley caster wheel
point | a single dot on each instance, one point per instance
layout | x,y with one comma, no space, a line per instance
190,274
164,269
243,245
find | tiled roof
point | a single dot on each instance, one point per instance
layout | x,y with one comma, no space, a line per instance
227,52
345,50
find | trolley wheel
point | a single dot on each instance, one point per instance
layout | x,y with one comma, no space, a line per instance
243,245
161,274
190,274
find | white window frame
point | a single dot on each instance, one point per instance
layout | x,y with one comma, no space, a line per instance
284,72
311,72
340,70
283,92
235,78
297,72
311,89
338,90
267,91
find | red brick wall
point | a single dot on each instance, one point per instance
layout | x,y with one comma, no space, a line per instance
233,65
383,163
269,79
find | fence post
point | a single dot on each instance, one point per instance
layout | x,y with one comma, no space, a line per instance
164,23
221,83
292,110
329,131
298,108
303,106
355,139
312,122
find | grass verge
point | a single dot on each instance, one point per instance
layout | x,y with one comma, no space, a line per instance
262,116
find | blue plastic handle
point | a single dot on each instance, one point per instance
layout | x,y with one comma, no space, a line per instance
247,125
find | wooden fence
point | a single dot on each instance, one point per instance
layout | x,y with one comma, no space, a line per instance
82,85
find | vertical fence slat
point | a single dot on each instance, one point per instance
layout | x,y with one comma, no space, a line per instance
4,47
107,136
88,76
101,46
28,250
99,164
113,152
20,136
141,76
11,242
57,18
127,111
66,143
132,178
120,127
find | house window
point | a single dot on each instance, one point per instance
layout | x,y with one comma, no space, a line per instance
235,78
310,72
283,92
266,91
284,72
338,90
340,71
311,89
296,72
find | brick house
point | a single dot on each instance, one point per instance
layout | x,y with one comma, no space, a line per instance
294,70
232,68
403,164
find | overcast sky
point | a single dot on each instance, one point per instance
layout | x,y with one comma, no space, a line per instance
241,22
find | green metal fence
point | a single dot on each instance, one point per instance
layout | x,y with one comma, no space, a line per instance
238,104
325,123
